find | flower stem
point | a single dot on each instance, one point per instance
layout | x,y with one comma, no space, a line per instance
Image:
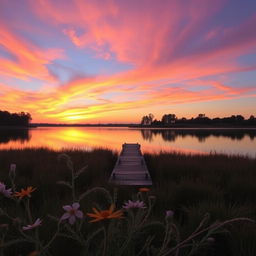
104,242
28,211
212,227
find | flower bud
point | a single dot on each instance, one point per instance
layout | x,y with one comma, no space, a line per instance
169,215
12,171
210,240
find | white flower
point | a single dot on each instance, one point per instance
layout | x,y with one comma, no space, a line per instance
37,223
72,213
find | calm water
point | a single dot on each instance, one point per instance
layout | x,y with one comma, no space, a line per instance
187,140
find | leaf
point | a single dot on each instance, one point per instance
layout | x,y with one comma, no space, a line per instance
79,172
53,217
100,190
9,243
65,183
67,158
154,224
89,239
202,223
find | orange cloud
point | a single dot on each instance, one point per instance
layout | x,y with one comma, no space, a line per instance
167,44
28,60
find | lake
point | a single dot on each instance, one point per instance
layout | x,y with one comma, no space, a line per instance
203,141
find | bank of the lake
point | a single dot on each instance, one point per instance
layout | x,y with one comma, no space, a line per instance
190,185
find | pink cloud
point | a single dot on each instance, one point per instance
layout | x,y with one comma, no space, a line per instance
171,45
29,60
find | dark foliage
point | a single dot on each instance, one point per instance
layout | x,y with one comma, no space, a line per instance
14,119
201,119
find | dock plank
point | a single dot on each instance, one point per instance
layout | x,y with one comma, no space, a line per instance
130,168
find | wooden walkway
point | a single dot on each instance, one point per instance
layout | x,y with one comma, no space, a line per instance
130,168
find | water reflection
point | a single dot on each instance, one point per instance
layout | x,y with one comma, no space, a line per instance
192,141
200,134
18,135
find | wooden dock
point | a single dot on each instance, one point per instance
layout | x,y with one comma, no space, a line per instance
130,168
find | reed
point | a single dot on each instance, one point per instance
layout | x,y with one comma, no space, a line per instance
189,185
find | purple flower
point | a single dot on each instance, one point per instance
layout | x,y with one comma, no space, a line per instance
134,204
37,223
72,213
4,191
169,214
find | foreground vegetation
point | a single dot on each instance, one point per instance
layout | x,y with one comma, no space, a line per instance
185,189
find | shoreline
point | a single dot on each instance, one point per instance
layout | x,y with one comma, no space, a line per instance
139,127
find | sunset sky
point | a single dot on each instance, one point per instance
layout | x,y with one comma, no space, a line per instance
102,61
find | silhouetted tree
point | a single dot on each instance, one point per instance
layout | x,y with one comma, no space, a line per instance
15,119
201,119
147,120
168,119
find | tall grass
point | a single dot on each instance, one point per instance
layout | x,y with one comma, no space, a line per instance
42,168
190,185
224,186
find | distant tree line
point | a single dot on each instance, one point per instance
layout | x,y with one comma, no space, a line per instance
14,119
201,119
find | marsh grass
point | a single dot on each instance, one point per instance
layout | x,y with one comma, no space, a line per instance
190,185
224,186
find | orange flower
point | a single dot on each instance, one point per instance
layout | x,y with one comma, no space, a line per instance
25,192
144,189
34,253
106,214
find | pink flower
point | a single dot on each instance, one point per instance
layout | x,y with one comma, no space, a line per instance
72,213
4,191
37,223
134,204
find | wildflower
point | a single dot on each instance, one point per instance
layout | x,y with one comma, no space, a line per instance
72,213
106,214
134,204
34,253
25,192
144,189
4,191
37,223
169,214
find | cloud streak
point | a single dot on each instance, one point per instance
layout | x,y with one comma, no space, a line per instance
178,53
